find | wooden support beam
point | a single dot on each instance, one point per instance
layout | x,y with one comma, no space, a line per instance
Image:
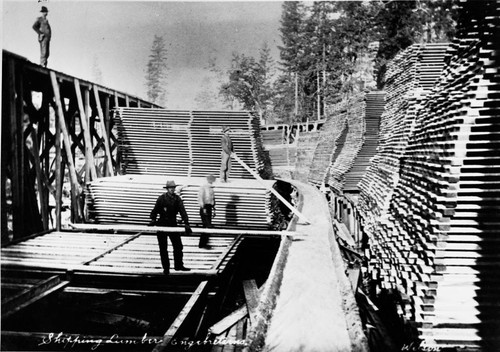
90,170
252,299
20,212
154,229
109,164
75,186
39,179
181,318
25,298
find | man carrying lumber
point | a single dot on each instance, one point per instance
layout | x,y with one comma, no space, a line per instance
206,200
227,150
167,206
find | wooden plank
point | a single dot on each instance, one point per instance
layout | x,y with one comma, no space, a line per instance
201,290
109,163
39,179
75,186
252,299
31,295
224,254
154,229
127,240
90,173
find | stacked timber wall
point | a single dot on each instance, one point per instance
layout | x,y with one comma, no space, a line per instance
433,192
187,143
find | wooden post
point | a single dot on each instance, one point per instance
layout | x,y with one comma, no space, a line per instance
17,152
109,163
75,186
59,177
39,179
90,170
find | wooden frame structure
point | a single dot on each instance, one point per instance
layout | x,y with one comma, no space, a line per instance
57,133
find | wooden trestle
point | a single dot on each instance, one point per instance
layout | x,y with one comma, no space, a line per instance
55,127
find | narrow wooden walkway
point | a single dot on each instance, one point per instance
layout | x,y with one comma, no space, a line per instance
315,308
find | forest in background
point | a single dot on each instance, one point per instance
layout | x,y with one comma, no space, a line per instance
329,49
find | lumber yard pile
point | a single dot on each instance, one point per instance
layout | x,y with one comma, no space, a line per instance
354,138
307,143
374,106
436,242
186,143
327,144
130,199
408,80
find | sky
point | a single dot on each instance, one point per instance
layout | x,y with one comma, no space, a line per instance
116,37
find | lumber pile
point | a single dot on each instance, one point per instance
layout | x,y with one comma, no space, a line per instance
327,144
130,199
306,145
355,130
437,244
186,143
375,102
408,79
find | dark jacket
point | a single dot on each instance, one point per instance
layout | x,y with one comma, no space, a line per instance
42,27
167,206
227,143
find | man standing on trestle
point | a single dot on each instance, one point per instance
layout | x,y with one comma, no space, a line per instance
42,27
227,150
167,206
206,200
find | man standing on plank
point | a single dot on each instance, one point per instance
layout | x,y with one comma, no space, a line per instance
167,206
42,27
227,150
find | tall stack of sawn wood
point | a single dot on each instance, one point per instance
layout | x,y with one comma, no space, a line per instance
437,242
187,143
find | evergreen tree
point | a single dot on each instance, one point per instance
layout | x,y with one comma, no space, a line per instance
156,72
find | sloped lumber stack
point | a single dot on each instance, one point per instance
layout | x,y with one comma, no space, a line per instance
438,245
186,143
373,110
327,144
306,145
353,141
130,199
408,78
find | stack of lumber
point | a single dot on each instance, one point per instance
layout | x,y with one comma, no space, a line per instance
306,145
327,144
272,137
408,80
153,141
186,143
438,245
353,141
130,199
281,153
374,107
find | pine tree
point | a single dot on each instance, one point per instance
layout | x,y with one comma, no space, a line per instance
156,72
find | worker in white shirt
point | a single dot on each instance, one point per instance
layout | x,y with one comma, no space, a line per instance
206,200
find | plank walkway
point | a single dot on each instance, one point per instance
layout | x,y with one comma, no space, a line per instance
135,253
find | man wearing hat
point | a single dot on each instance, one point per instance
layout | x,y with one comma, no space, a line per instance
227,150
167,206
206,200
42,27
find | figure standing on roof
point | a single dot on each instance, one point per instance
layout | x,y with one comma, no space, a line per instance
227,150
206,200
42,28
167,206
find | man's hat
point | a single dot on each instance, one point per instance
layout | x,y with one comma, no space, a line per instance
225,128
170,184
44,9
211,178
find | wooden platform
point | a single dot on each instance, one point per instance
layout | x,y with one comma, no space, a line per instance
113,253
